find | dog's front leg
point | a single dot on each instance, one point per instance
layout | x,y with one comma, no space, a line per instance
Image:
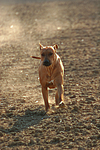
45,96
59,94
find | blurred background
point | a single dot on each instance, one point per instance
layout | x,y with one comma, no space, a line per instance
75,26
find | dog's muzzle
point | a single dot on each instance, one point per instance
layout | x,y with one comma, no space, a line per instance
46,62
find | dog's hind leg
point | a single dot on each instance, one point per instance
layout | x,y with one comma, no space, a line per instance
45,96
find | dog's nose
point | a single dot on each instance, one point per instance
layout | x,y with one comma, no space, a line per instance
46,62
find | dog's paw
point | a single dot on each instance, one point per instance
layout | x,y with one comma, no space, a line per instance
61,104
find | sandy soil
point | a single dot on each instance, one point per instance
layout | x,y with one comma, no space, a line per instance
75,26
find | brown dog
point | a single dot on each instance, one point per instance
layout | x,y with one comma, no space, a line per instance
51,73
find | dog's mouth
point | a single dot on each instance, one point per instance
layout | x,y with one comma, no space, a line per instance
46,62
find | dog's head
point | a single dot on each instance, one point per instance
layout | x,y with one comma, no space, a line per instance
48,54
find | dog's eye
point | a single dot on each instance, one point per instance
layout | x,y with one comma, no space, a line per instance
43,54
50,54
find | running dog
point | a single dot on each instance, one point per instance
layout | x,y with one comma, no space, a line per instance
51,72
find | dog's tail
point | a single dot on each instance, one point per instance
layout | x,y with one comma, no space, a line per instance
35,57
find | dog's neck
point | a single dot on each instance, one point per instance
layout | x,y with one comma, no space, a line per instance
50,68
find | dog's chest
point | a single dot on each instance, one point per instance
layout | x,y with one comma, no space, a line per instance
49,75
50,82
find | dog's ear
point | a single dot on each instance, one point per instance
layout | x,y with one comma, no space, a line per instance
55,47
41,46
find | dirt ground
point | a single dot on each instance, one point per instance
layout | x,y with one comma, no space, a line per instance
75,26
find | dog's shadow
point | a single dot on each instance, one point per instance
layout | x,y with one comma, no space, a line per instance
30,118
